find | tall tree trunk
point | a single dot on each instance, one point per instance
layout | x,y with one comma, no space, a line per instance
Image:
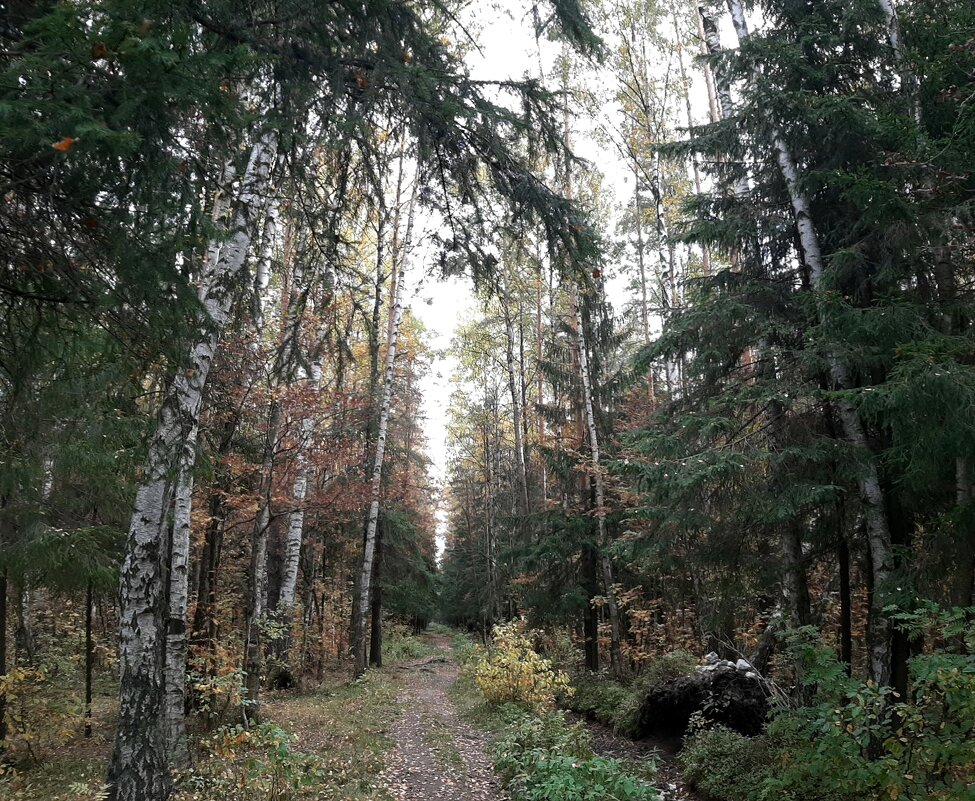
540,384
641,261
666,277
24,633
695,166
709,82
174,707
3,656
871,493
369,546
204,615
794,575
516,408
616,656
257,575
139,770
964,579
376,627
296,520
590,618
846,605
89,655
489,527
615,651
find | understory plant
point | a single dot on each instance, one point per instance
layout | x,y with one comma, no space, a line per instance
617,705
858,740
545,758
511,671
251,764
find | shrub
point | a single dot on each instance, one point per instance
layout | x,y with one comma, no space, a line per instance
727,766
512,672
400,644
857,740
543,758
862,741
669,666
617,705
465,650
257,764
599,697
40,714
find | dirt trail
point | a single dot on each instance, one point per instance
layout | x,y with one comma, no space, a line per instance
436,756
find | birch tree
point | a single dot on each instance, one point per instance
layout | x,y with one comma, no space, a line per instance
369,545
138,768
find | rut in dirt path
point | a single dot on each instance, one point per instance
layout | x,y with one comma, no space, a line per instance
436,756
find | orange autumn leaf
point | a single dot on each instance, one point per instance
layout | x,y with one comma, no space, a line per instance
64,145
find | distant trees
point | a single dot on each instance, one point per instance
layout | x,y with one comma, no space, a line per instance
793,446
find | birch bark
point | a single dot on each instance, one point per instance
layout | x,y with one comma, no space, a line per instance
516,408
368,551
174,719
296,519
138,768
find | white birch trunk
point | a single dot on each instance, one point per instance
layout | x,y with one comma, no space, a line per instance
262,273
695,166
174,719
709,83
257,587
871,493
138,768
665,269
909,82
616,657
296,520
369,547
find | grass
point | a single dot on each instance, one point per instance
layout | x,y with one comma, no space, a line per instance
400,645
62,779
327,745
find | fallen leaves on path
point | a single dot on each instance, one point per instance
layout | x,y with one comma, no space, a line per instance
436,756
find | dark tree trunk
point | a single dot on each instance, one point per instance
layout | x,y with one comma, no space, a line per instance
590,622
846,606
901,530
204,620
376,627
963,583
3,655
89,657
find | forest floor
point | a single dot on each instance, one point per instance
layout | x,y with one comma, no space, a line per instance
436,754
410,731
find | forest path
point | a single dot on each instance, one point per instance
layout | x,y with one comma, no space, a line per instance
436,755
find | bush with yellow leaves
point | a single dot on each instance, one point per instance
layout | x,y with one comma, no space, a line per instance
512,672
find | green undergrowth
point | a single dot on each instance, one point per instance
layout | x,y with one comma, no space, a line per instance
540,755
857,741
617,704
326,745
401,645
